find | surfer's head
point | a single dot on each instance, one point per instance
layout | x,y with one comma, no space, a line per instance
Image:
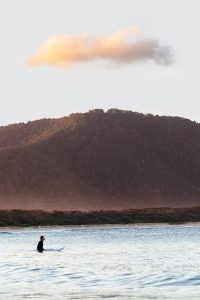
42,238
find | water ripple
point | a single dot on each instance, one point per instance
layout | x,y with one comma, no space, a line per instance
116,262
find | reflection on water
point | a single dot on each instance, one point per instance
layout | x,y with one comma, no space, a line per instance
103,262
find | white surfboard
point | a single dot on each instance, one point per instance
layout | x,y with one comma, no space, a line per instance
55,249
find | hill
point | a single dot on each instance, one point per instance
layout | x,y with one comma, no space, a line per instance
100,160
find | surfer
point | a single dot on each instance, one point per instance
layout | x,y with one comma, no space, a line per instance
40,244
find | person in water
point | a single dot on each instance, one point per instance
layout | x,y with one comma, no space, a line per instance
40,244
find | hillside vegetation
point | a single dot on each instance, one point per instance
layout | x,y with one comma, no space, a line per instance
18,217
100,160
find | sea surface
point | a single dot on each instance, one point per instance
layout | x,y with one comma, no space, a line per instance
101,262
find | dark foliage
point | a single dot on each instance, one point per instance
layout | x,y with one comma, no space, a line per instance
18,217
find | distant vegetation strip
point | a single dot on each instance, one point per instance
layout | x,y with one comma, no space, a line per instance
17,217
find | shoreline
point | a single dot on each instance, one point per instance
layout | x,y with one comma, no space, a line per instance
7,229
35,218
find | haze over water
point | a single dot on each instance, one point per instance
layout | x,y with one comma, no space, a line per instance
101,262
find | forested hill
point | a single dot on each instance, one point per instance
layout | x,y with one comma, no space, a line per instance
100,160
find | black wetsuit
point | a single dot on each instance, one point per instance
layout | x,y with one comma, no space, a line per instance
40,246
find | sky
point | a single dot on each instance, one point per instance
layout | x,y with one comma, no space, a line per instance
97,65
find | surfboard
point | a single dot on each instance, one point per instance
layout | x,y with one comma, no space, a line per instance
55,249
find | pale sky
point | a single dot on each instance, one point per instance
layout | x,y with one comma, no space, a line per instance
34,92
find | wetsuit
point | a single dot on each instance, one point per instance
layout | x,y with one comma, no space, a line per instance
40,246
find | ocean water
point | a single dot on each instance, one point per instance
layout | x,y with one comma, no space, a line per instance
101,262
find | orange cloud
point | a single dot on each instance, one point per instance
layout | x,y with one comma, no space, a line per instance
120,47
